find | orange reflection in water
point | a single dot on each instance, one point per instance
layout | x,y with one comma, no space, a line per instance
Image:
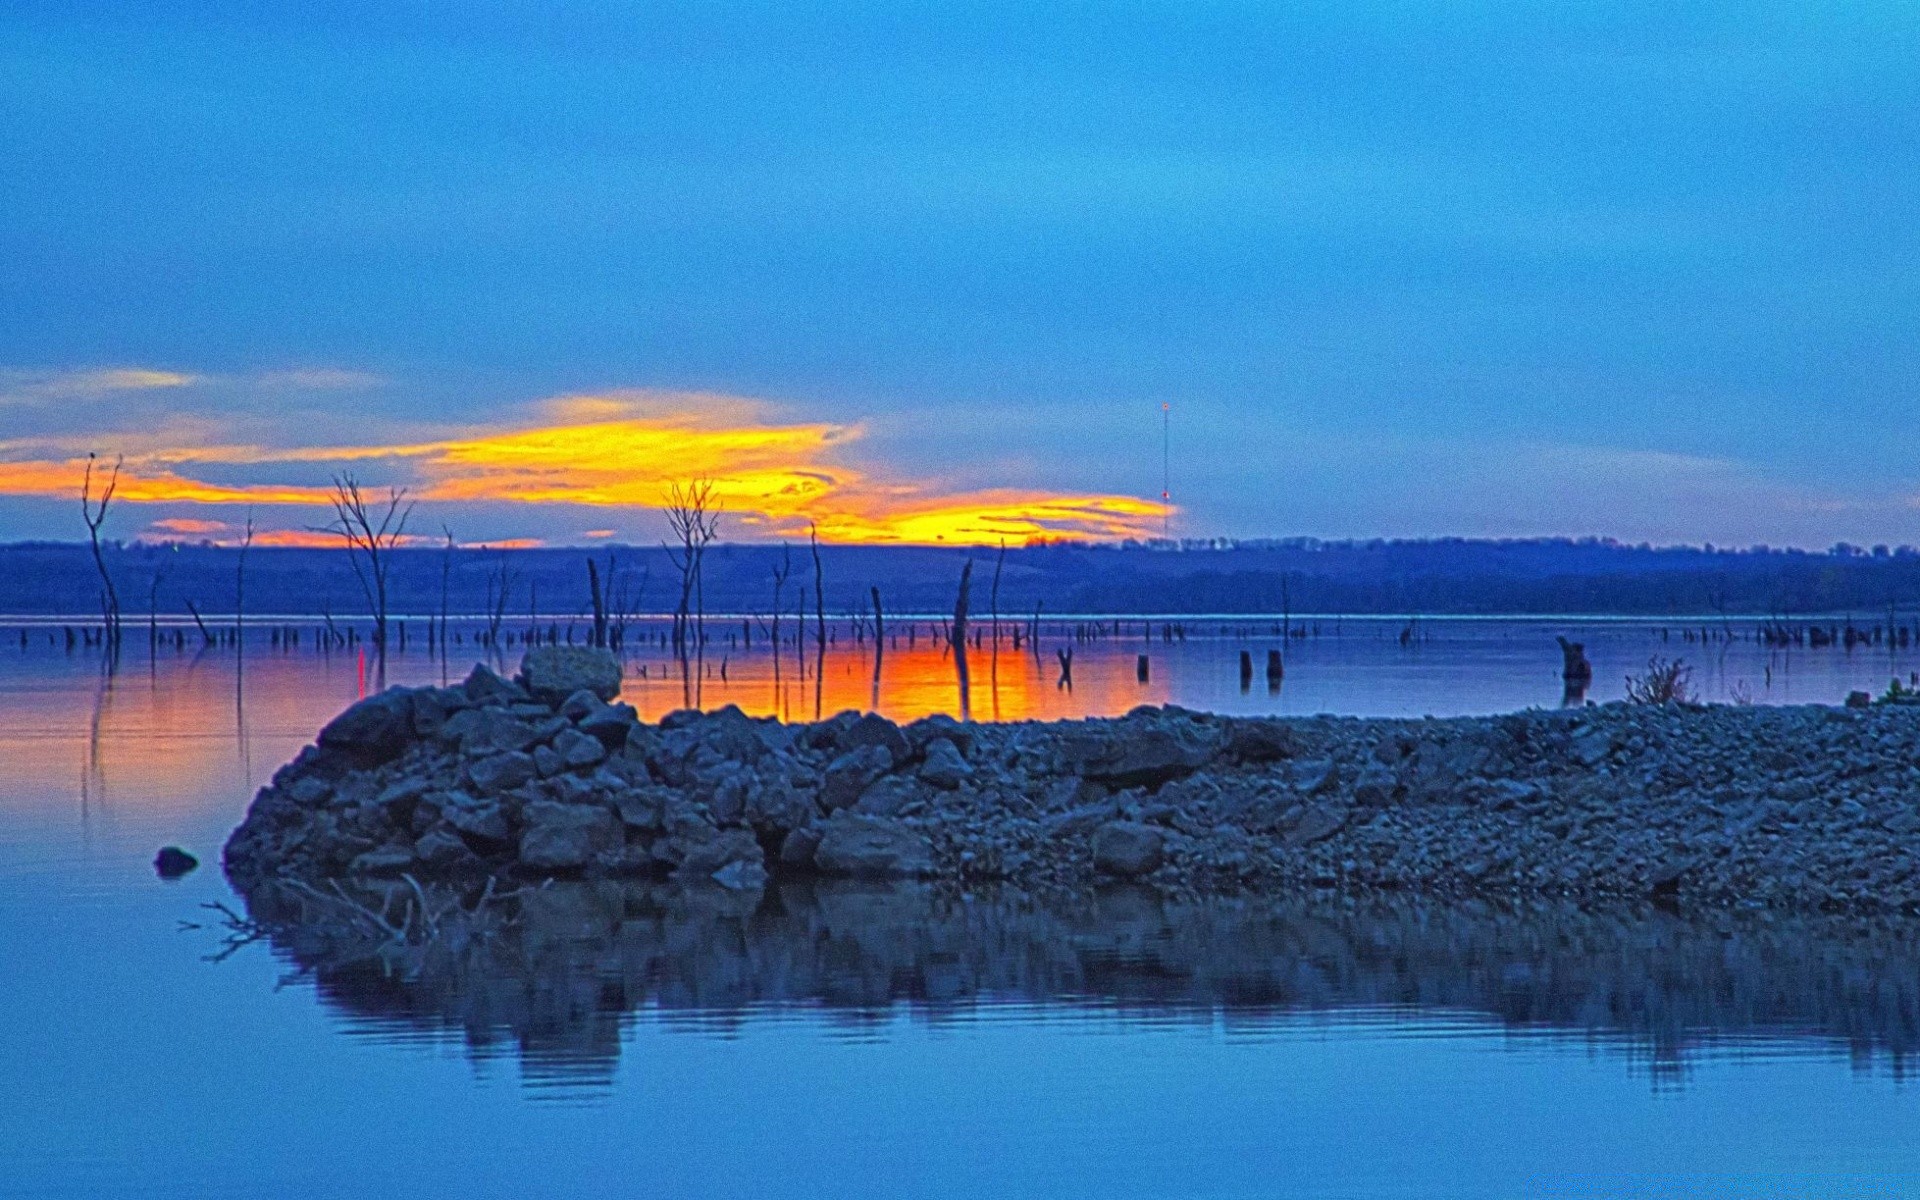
914,682
185,733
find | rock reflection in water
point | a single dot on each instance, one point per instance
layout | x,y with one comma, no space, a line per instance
556,971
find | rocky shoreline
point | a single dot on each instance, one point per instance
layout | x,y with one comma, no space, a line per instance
542,776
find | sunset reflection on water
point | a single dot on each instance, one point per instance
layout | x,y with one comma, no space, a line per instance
175,730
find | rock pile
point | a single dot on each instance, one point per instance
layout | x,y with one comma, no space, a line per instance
1788,807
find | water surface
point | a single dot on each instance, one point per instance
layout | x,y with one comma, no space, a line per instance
857,1041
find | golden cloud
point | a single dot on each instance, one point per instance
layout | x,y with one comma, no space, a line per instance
624,450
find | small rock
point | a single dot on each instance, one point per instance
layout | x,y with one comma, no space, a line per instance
741,875
501,772
482,826
611,723
799,847
578,750
1317,823
441,849
1127,848
172,862
483,687
386,860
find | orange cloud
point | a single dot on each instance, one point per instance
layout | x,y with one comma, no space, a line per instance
190,527
624,451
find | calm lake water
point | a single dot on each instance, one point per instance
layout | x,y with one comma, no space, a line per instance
850,1041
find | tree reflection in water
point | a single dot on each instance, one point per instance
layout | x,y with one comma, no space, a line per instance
556,970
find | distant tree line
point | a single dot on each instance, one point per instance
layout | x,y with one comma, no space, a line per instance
1394,578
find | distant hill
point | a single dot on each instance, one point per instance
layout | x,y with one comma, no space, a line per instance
1432,577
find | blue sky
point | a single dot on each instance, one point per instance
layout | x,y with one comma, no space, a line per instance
1630,269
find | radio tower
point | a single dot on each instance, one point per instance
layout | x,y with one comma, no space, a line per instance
1166,471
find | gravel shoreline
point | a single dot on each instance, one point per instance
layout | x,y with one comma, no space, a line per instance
1792,808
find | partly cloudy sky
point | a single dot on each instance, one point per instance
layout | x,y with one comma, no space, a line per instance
928,272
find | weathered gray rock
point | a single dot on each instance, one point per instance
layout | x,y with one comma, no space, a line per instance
485,688
385,860
499,773
553,673
374,730
872,729
566,836
480,824
578,750
944,767
850,774
483,731
1317,823
612,724
1127,848
706,857
872,847
1139,750
889,796
441,849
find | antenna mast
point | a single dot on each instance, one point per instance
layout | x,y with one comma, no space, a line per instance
1166,471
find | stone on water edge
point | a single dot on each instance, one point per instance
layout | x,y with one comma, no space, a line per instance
553,673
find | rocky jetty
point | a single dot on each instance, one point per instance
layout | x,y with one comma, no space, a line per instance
546,776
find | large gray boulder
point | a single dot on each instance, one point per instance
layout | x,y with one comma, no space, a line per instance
374,730
871,848
1144,750
553,673
848,775
563,837
872,729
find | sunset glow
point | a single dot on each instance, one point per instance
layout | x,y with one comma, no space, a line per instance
772,478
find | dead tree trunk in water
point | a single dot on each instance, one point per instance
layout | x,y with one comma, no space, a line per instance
371,533
959,640
879,646
599,604
240,586
820,622
780,574
994,597
819,595
95,515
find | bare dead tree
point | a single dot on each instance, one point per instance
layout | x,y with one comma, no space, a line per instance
154,581
819,592
994,600
240,583
879,644
499,584
694,519
820,622
94,513
780,574
446,574
370,530
599,601
959,640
